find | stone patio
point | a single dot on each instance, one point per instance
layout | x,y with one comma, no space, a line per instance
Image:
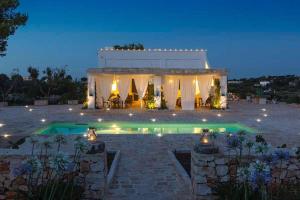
145,170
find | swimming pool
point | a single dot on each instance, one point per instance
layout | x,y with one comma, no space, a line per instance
141,128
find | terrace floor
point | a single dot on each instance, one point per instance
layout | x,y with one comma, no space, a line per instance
145,170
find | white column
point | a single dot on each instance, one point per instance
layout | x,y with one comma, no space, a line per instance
223,84
91,92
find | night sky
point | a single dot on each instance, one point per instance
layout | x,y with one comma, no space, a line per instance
249,38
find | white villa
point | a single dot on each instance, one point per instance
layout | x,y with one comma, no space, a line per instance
156,78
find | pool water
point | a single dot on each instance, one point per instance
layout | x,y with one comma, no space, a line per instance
141,128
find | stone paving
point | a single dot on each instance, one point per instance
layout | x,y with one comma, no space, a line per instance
145,169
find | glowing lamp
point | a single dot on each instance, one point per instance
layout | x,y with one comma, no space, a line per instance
70,109
153,120
43,120
91,135
1,125
258,120
81,114
265,115
6,135
204,120
130,114
30,110
114,86
100,120
174,114
219,115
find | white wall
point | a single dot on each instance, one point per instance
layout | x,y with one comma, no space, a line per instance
194,59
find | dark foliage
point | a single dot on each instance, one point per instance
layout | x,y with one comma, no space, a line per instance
132,46
10,20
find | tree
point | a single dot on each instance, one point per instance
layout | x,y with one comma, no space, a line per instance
10,20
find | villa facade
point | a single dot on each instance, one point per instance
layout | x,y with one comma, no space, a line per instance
156,78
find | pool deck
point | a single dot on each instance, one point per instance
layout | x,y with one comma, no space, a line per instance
145,170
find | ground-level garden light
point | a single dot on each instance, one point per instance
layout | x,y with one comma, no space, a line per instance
6,135
130,114
204,120
174,114
81,114
1,125
258,120
265,115
99,119
26,106
219,115
43,120
264,110
153,120
91,135
30,110
70,109
159,135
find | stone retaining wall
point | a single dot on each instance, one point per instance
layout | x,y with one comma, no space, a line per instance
91,175
207,170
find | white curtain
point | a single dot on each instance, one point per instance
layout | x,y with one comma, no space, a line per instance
105,83
99,100
170,88
141,83
123,85
188,89
205,82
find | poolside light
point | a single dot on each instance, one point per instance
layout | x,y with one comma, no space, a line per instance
43,120
81,114
114,126
159,135
30,110
85,135
219,115
1,125
204,120
130,114
107,109
264,110
26,106
258,120
100,120
6,135
153,120
265,115
70,109
91,135
174,114
204,139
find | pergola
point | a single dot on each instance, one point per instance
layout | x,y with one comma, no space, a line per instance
171,81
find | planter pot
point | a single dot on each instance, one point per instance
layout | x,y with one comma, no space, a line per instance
3,104
40,102
72,102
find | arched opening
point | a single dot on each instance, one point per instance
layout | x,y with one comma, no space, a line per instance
114,97
198,98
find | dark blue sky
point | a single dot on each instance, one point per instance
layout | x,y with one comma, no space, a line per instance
249,38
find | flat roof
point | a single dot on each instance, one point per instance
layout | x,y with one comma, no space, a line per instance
155,71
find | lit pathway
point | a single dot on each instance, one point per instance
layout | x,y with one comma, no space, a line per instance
145,171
